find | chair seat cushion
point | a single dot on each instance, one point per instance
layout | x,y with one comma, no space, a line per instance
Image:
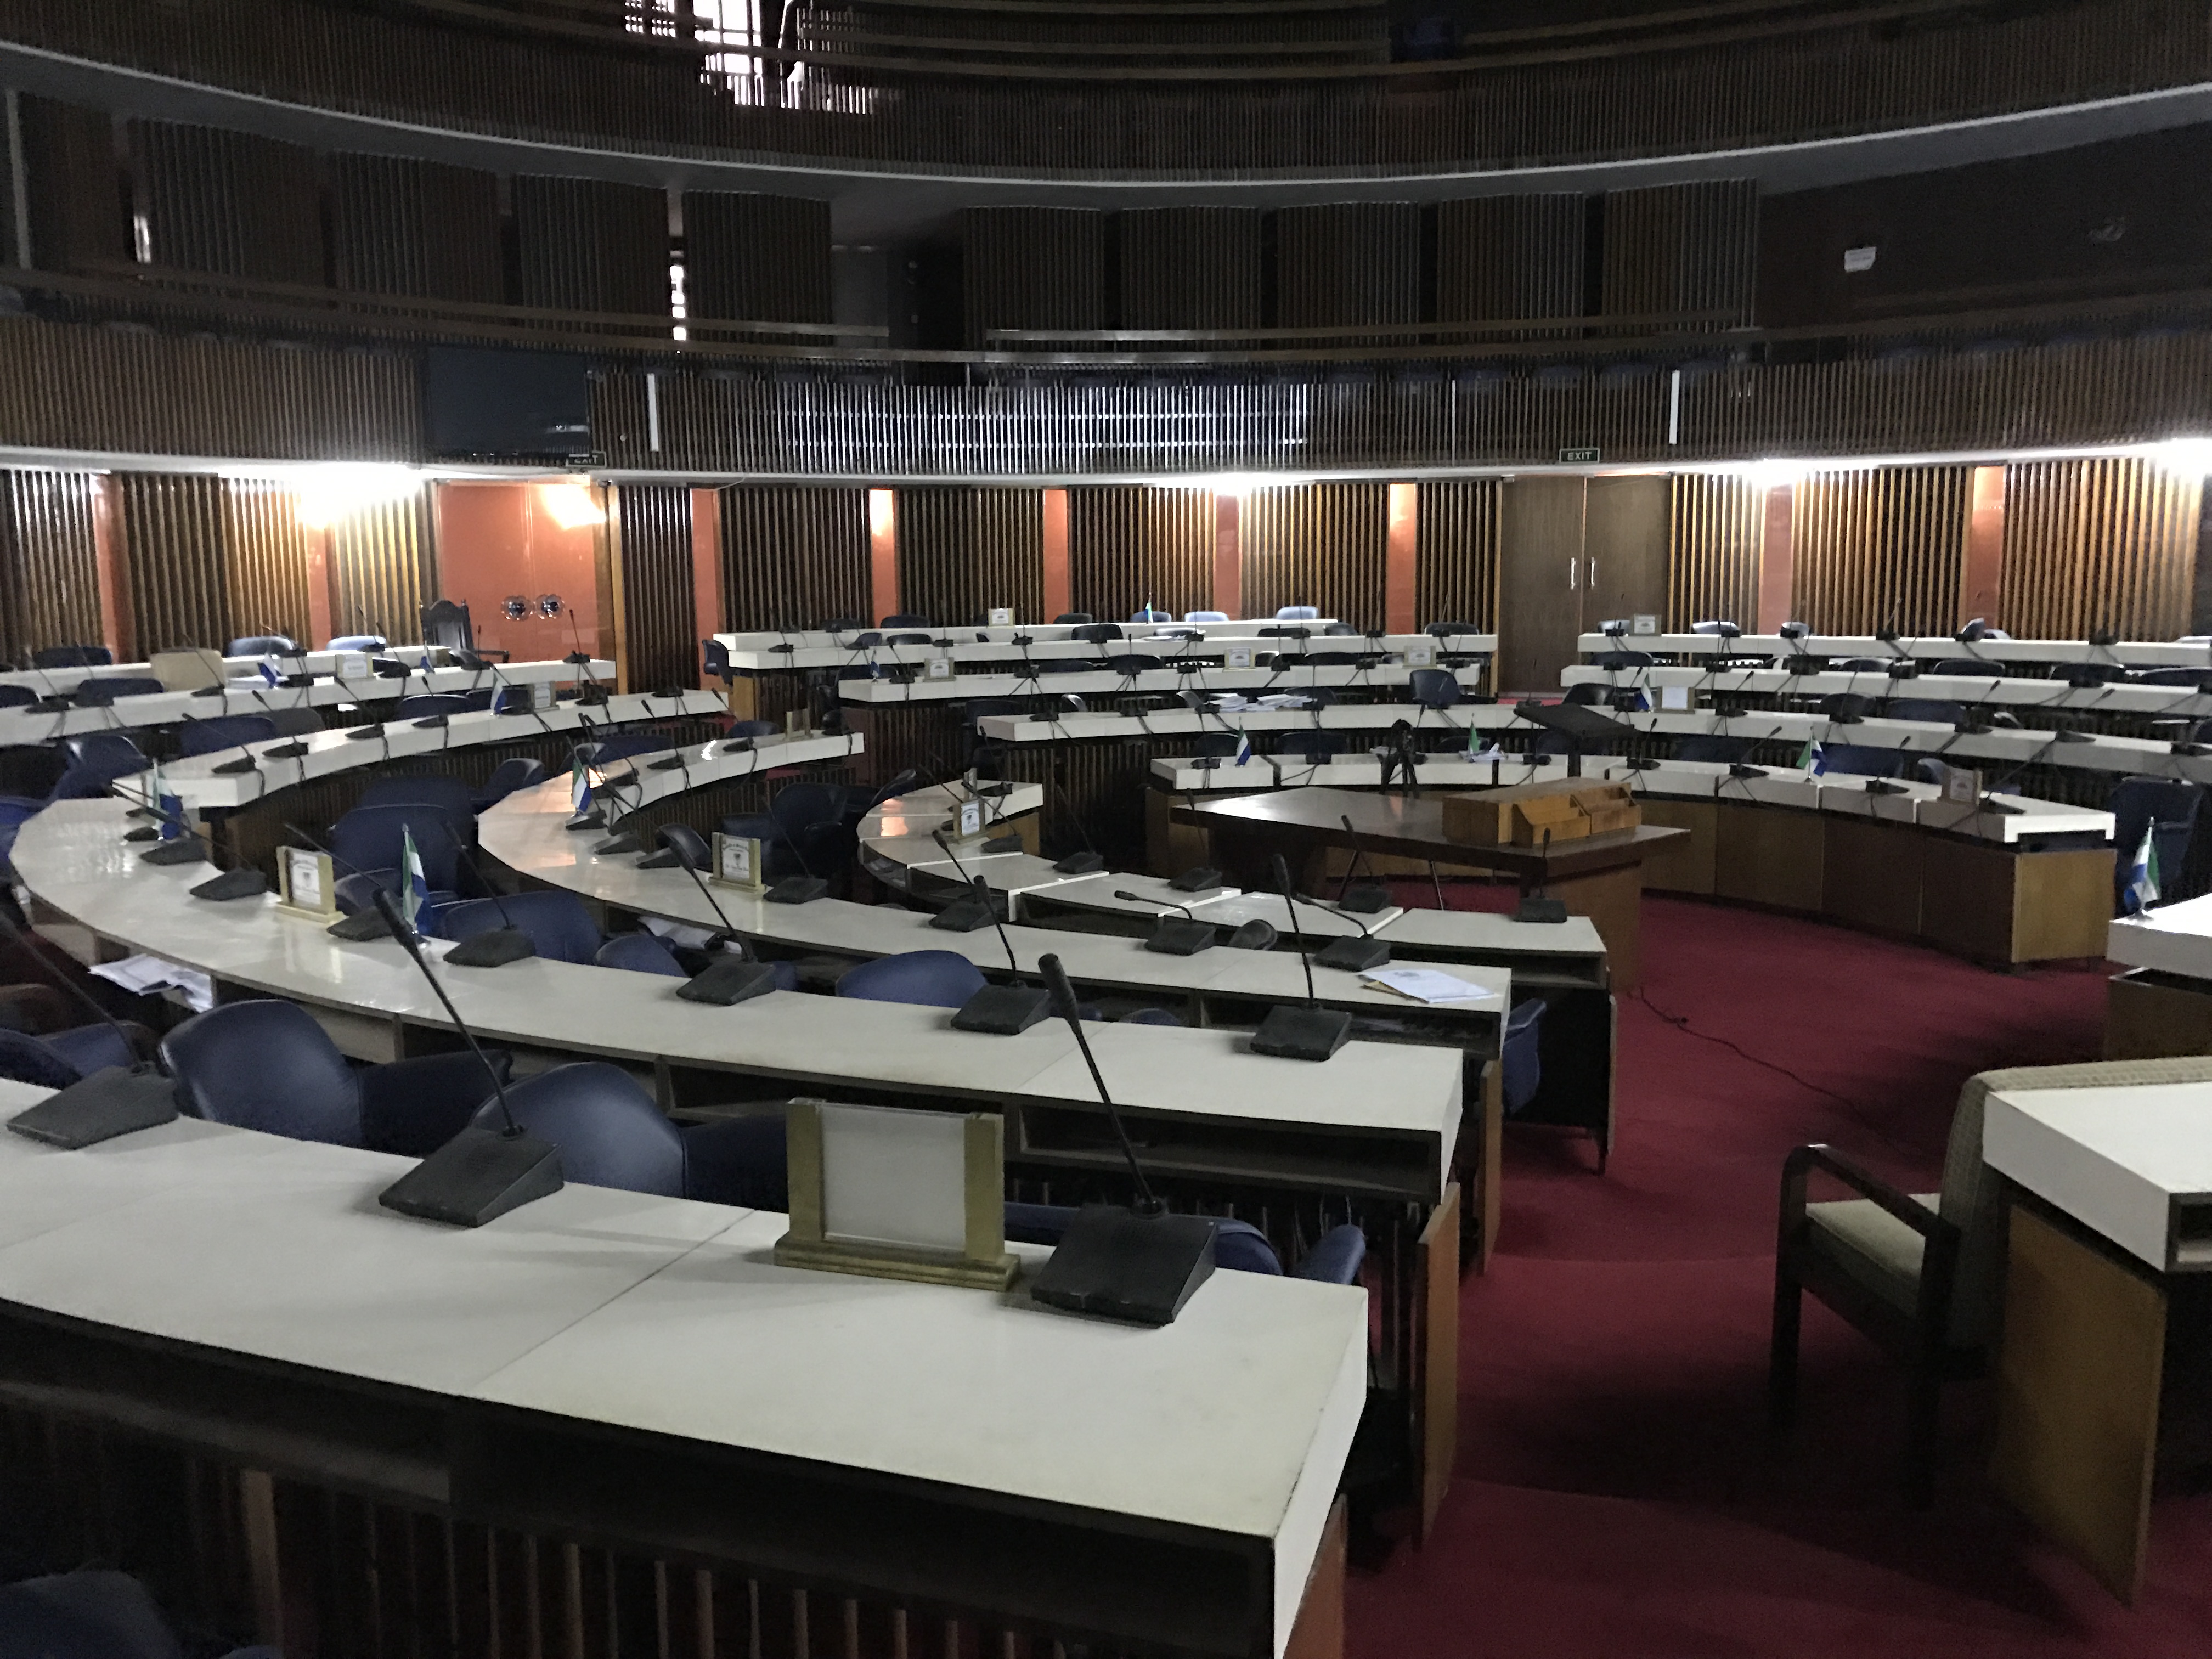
1870,1245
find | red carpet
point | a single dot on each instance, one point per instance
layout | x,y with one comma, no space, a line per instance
1619,1494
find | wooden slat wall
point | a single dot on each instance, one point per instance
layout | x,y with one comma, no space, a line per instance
172,526
1511,256
49,587
77,187
1191,267
1348,262
386,568
962,551
229,202
423,229
1129,544
265,561
1880,547
1455,552
1682,248
652,526
2104,544
1031,267
1322,544
586,245
794,555
1716,525
756,257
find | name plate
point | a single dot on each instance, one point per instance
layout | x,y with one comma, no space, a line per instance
739,862
306,883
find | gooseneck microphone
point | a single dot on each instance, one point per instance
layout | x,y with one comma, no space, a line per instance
480,1173
1369,895
973,908
362,924
195,848
798,890
1171,937
494,947
1311,1032
1138,1263
733,976
116,1100
996,1009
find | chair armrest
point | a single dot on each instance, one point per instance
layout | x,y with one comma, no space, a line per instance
1336,1259
737,1161
1797,1170
413,1107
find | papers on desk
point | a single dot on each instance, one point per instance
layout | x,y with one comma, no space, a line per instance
142,975
1229,702
1422,984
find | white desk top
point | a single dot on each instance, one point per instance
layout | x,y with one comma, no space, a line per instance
1973,689
46,680
2142,653
2113,1159
2172,938
768,653
1158,680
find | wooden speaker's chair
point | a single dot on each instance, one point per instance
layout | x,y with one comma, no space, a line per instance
1921,1275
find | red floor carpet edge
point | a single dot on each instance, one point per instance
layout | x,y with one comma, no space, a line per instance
1618,1492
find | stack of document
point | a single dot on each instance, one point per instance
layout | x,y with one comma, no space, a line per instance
1424,984
142,975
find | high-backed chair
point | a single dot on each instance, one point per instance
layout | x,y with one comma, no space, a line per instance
640,953
2170,810
1433,688
266,1064
1520,1054
222,732
446,622
1858,760
519,772
262,645
453,796
941,979
555,920
369,841
72,656
906,619
1920,1274
17,696
1205,616
104,690
295,722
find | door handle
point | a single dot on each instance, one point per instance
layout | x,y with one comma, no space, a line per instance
1571,563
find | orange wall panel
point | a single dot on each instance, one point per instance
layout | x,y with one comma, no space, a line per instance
497,542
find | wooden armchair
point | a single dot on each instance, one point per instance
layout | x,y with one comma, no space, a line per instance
1922,1274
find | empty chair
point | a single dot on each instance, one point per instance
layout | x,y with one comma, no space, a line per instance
640,953
1297,613
1866,665
103,690
262,645
266,1064
447,623
1149,615
2169,812
1859,760
519,772
1714,626
1074,617
1930,709
17,696
1098,633
802,831
554,920
1134,662
1616,662
112,749
295,722
610,1133
1433,688
208,736
1313,747
72,656
752,729
1205,616
357,642
715,662
1713,751
906,619
908,638
1520,1056
189,671
58,1059
1996,669
368,841
425,704
941,979
455,796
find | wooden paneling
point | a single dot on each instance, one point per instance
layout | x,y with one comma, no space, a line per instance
1682,248
755,257
1131,544
794,556
1511,256
399,225
229,202
1625,548
264,561
1322,544
962,551
1191,267
1031,267
1455,556
2094,544
385,568
1880,548
49,586
180,574
76,188
651,525
1539,547
586,245
1348,262
1713,535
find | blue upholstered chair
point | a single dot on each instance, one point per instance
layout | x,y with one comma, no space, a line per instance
261,645
1205,616
116,748
60,1058
938,979
17,696
641,953
1709,750
266,1064
1433,688
1858,760
519,772
1520,1054
425,704
368,841
367,642
1297,613
804,826
556,920
73,656
210,737
356,892
103,691
2169,810
455,797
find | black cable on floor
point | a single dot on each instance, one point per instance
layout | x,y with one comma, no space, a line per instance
1682,1022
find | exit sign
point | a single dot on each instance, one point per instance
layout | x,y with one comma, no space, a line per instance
1579,458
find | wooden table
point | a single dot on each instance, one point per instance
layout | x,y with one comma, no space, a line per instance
1600,877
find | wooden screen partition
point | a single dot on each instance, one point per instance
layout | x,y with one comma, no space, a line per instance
1512,256
752,256
1322,544
1348,262
49,581
1714,532
586,245
651,528
179,577
402,225
1191,267
2099,544
213,200
1131,545
794,555
1880,548
1031,267
1455,556
265,556
964,550
385,568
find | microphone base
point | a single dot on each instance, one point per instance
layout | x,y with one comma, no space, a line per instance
476,1177
1353,956
1003,1010
666,859
593,819
494,948
796,890
285,752
1534,907
728,980
966,915
112,1102
233,885
1080,864
360,925
1178,938
235,768
1366,899
615,844
1289,1033
1254,935
185,849
1202,880
1113,1263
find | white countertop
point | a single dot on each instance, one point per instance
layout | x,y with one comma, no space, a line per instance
2169,938
2137,654
2113,1159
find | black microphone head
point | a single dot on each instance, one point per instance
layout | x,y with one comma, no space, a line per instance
388,906
1063,993
687,844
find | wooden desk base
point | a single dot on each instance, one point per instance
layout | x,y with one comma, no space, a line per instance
2151,1016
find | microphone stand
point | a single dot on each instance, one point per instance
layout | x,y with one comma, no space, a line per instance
731,977
1171,938
496,946
1311,1032
999,1010
116,1100
241,882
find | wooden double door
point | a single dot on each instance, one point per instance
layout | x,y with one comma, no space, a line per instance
1573,552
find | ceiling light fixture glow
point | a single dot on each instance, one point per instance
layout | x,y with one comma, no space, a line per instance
570,506
326,494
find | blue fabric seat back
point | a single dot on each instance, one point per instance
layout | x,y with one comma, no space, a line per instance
1297,613
261,645
2169,810
1859,760
1205,616
1336,1256
73,656
1242,1248
608,1129
941,979
358,642
208,736
94,1048
518,773
110,748
557,922
479,701
1433,688
17,696
90,783
752,729
641,953
102,692
802,809
265,1065
1520,1054
906,619
369,839
26,1059
1922,709
425,704
453,796
91,1613
1860,665
1968,665
1708,750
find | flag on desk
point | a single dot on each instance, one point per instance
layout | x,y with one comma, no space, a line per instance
268,673
1814,759
1244,747
414,890
579,790
2143,875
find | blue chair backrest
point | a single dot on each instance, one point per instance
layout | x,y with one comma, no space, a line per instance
208,736
1520,1055
1297,613
1922,709
1433,688
1153,616
73,656
1859,760
265,1065
1712,750
1862,665
1242,1248
752,729
641,953
1336,1257
556,920
25,1059
715,656
624,744
448,795
940,979
113,749
2138,804
358,642
906,619
509,775
1990,670
91,1613
88,782
261,645
17,696
1205,616
357,893
1314,746
425,704
798,807
368,839
608,1129
101,692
